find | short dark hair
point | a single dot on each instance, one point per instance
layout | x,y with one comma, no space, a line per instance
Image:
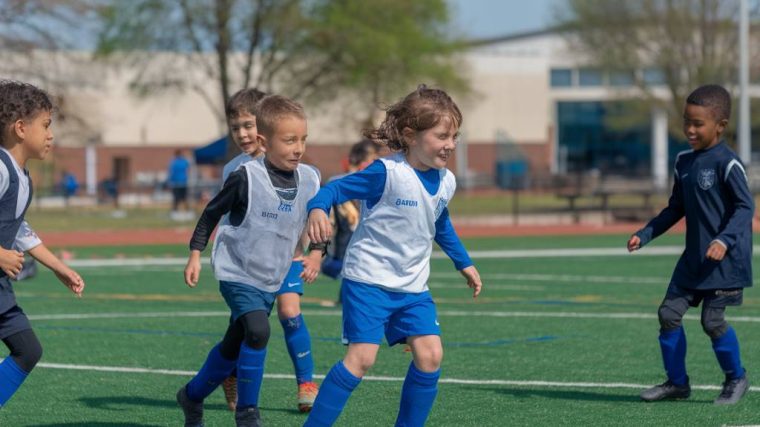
20,101
243,101
714,97
361,151
273,108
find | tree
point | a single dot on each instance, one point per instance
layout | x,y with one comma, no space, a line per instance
307,49
689,42
39,40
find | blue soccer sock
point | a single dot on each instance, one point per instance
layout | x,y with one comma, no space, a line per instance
212,373
11,377
726,349
298,342
332,397
673,346
250,374
417,396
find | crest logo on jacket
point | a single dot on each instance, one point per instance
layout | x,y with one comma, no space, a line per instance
706,178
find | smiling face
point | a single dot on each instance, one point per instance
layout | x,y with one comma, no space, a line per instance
701,128
244,133
287,143
433,147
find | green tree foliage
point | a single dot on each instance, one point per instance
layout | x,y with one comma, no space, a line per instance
690,42
311,50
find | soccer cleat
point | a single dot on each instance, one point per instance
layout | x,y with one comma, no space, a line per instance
733,390
248,417
307,394
229,385
666,390
193,410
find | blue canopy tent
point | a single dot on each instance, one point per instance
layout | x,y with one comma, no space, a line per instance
211,154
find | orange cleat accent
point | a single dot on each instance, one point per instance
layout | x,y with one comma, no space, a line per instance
229,385
307,393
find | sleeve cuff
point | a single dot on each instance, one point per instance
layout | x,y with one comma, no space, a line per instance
720,242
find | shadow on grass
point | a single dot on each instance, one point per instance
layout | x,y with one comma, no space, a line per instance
125,403
589,396
94,424
121,403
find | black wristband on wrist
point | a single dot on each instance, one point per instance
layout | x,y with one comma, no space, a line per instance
319,247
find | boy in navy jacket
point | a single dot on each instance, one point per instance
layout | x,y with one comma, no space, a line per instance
710,189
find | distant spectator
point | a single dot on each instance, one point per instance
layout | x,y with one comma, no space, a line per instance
110,187
177,179
69,186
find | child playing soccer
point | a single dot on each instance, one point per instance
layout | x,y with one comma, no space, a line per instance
387,264
25,134
242,124
266,203
710,189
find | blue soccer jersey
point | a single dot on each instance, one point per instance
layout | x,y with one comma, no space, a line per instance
710,189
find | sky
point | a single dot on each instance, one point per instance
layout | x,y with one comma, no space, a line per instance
492,18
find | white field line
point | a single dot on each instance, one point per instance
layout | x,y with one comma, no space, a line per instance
519,253
443,313
131,370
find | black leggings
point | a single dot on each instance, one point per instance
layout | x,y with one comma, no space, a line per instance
25,348
252,327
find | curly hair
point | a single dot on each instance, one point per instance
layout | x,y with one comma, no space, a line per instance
421,110
19,101
713,97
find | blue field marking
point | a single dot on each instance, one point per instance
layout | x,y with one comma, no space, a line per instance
129,331
337,340
501,342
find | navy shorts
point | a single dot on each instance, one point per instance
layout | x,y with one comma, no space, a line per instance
12,317
369,312
242,298
714,298
292,282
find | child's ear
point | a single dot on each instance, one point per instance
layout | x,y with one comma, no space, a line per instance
18,128
261,140
408,134
722,124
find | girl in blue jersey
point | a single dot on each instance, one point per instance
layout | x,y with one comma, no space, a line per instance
709,189
387,264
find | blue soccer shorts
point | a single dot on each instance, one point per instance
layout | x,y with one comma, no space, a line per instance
242,298
293,282
369,312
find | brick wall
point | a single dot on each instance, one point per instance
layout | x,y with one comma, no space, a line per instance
482,160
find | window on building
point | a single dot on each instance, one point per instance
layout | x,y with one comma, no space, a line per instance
621,78
653,76
590,77
590,136
561,77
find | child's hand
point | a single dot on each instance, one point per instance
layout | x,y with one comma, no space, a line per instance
11,262
320,229
634,243
193,269
715,251
71,279
473,279
312,264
